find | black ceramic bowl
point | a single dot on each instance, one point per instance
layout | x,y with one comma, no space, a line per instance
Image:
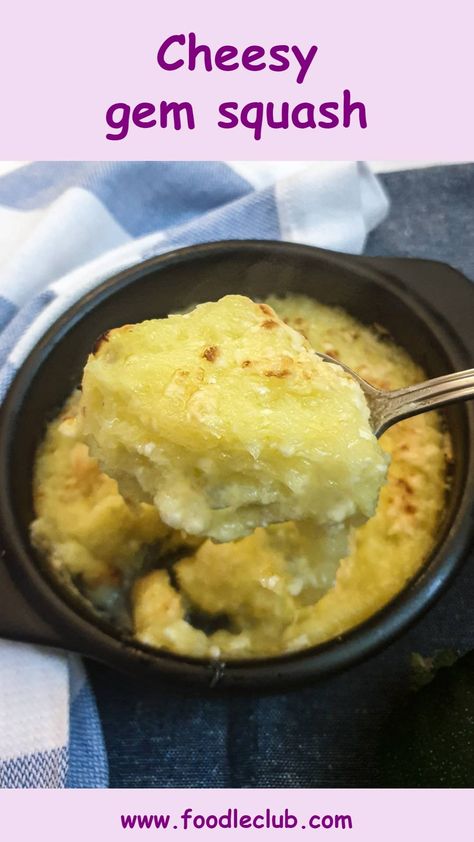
427,307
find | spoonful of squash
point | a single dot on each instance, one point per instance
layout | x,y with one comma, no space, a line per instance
226,419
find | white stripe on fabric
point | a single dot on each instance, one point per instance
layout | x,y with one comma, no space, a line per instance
74,230
312,211
16,226
374,200
72,287
261,174
37,719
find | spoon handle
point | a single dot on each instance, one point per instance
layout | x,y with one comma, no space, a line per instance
389,407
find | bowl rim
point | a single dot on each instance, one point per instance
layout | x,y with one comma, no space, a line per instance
83,634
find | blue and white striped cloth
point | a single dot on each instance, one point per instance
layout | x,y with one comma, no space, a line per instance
64,227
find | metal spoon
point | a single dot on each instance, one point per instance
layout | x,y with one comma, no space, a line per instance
386,408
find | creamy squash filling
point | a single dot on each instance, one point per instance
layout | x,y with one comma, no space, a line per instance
223,423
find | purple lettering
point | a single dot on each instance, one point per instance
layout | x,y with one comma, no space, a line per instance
349,107
160,56
283,62
121,122
211,821
197,49
256,124
326,110
307,122
225,819
284,122
223,55
225,110
250,55
176,108
304,62
140,114
290,819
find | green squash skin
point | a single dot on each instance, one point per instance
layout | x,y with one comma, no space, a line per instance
429,741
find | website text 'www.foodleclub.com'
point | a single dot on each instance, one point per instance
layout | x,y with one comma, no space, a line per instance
233,819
